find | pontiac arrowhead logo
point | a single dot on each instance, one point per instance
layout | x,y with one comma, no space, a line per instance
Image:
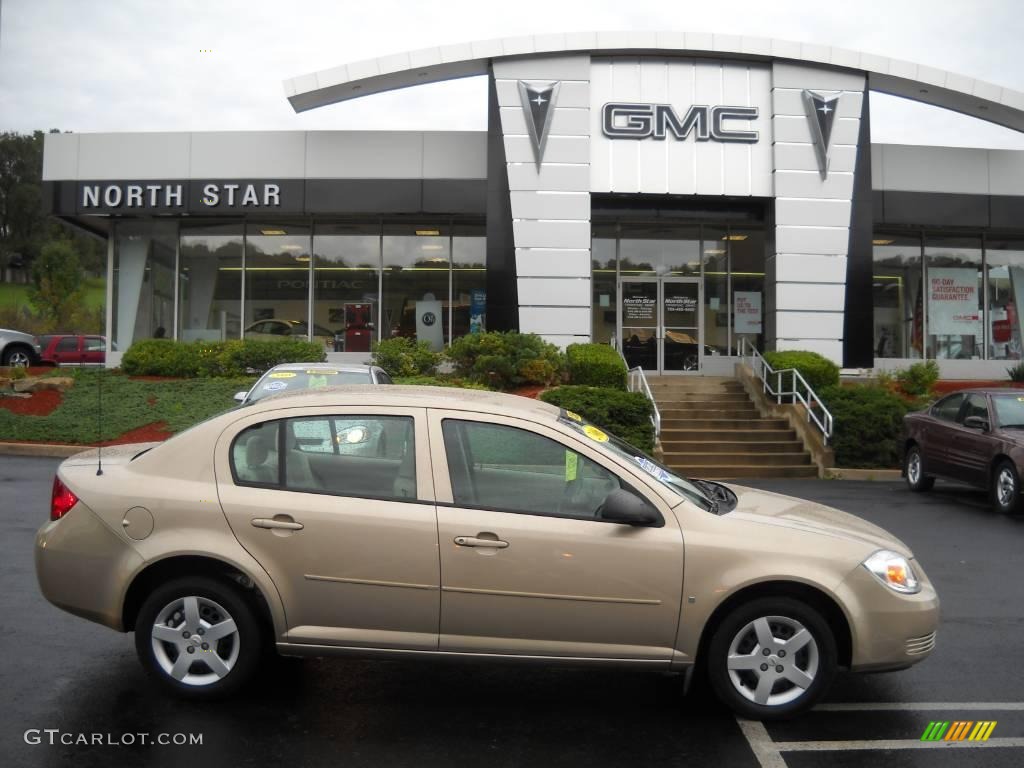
821,113
538,105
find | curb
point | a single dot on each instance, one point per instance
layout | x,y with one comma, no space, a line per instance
876,475
43,450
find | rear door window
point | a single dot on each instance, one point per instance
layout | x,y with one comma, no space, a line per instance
948,408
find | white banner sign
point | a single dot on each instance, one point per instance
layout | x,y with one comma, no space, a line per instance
747,311
953,302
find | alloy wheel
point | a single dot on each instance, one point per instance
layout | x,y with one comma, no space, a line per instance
195,640
914,467
772,660
18,359
1006,487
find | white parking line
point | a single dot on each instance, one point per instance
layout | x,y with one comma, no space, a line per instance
769,752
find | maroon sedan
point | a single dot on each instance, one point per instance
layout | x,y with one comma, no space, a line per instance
974,436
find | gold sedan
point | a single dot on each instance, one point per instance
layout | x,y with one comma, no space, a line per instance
423,522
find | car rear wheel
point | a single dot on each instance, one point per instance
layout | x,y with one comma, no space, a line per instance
913,466
1006,488
198,637
771,658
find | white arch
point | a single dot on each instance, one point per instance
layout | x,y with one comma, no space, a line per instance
977,98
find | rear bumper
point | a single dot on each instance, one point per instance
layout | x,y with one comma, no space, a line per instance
889,630
82,566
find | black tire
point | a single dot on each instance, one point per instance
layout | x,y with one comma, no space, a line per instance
816,659
1005,491
913,470
239,653
17,355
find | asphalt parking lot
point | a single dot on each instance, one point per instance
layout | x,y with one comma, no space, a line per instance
59,672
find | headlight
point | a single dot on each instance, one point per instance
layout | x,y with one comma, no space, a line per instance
894,571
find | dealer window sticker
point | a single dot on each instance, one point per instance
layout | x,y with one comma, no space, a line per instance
282,375
652,469
321,373
275,386
595,434
574,416
572,463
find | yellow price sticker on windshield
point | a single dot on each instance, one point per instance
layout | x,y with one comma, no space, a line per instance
282,375
573,416
321,373
595,434
572,463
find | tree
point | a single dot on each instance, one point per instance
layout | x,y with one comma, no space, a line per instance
57,289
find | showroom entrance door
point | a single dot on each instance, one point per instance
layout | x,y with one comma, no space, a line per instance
659,323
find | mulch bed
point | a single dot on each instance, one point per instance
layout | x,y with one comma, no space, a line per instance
944,387
531,391
149,433
39,404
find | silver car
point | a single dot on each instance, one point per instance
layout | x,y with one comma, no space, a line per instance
298,377
18,349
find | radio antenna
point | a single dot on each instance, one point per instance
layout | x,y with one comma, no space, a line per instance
99,424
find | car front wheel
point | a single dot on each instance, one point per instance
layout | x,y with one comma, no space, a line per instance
17,357
198,637
1006,488
913,468
771,658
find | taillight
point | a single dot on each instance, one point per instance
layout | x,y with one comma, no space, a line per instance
62,499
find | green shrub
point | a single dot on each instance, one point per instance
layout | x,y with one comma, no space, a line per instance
596,365
818,371
1016,373
438,381
625,414
164,357
867,425
505,360
403,356
919,378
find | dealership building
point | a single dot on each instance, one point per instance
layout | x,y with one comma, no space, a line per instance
681,195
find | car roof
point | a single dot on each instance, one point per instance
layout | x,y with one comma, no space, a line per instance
988,391
322,367
410,396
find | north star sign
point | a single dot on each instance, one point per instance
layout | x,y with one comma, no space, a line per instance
621,120
171,195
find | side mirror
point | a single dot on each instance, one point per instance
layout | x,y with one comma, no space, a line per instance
240,396
622,506
976,422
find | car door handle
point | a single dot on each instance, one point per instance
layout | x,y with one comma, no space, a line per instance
473,541
288,525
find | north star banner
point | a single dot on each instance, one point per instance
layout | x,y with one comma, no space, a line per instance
953,302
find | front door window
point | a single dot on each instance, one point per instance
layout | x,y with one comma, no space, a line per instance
661,324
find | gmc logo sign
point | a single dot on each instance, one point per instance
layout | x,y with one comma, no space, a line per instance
656,121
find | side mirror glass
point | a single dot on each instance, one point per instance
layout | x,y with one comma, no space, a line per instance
976,422
240,396
622,506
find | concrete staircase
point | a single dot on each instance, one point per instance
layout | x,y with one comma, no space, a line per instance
711,429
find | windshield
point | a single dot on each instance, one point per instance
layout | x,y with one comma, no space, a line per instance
1009,410
678,485
291,381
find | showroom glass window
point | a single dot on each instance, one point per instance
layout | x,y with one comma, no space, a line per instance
143,286
659,249
746,269
210,282
277,269
897,291
1004,259
603,282
346,293
715,251
954,293
469,280
416,282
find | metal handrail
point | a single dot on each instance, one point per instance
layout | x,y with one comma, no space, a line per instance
636,381
808,396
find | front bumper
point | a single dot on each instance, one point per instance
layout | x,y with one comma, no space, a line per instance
82,566
889,630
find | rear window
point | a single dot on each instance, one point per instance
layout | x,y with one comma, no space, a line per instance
292,381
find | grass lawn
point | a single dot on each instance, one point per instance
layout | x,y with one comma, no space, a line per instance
12,295
127,404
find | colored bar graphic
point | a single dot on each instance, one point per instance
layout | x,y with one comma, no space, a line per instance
958,730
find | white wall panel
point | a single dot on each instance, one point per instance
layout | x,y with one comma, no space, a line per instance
830,348
827,213
554,292
60,156
808,268
826,241
159,155
786,75
1006,172
809,184
550,262
364,155
934,169
551,234
567,178
544,68
790,101
565,122
555,320
559,149
809,296
809,325
455,155
570,93
795,128
803,157
551,205
248,154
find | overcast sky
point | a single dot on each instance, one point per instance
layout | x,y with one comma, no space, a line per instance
142,65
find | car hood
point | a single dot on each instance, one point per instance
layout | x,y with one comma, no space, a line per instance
112,456
775,509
